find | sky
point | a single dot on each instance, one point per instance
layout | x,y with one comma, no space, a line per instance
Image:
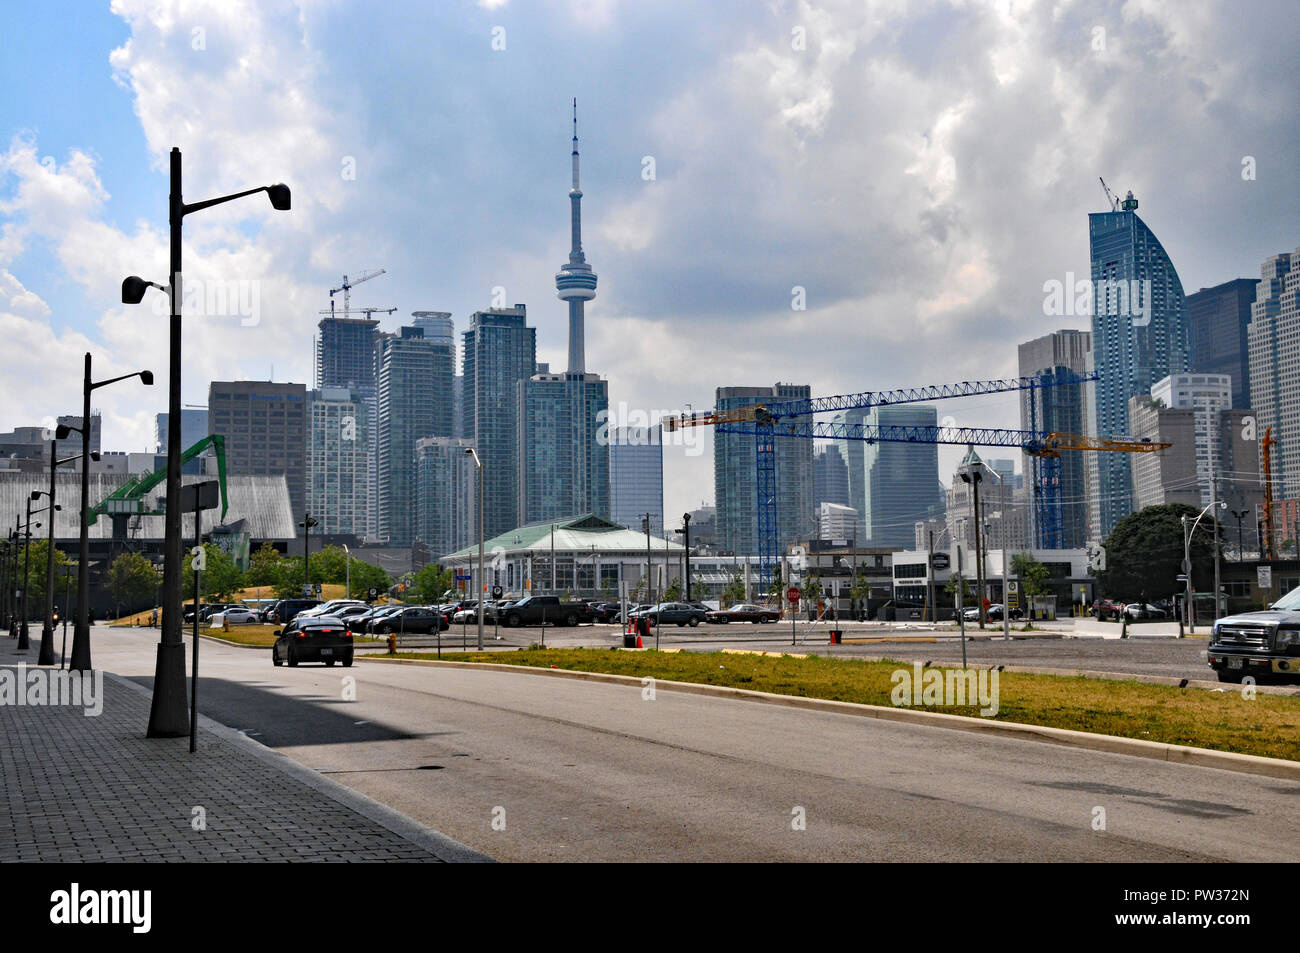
855,195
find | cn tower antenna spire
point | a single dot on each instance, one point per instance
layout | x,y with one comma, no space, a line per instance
576,282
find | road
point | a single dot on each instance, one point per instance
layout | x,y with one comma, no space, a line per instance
1179,658
583,771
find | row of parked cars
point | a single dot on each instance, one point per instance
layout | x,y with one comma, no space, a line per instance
1110,609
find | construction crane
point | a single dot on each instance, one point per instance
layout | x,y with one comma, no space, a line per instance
766,422
127,500
366,311
1129,204
347,286
1269,541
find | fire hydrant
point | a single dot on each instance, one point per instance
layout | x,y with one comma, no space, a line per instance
392,643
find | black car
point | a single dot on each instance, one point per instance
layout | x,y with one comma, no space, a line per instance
360,623
412,620
286,609
1264,645
319,639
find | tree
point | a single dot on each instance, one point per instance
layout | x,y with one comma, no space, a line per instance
329,565
637,590
366,577
1033,574
132,579
1144,554
967,591
860,591
264,567
430,584
36,557
735,589
219,580
674,590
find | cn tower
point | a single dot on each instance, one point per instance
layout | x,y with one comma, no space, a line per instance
576,282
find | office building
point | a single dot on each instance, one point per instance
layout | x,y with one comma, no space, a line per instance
194,427
1207,396
498,351
735,476
563,467
265,426
446,494
1139,335
1061,408
836,521
830,476
636,477
338,461
1219,322
414,400
1275,367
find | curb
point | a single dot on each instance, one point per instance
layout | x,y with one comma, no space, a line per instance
1113,744
440,845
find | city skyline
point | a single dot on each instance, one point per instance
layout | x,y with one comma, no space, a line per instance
965,308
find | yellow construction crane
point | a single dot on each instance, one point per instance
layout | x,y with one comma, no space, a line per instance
1056,442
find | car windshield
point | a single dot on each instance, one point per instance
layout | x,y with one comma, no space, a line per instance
1290,601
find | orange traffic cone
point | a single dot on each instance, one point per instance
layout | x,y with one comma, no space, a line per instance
638,642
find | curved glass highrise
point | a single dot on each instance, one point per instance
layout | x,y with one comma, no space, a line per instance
1139,335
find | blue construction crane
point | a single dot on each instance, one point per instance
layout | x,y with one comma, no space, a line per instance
767,421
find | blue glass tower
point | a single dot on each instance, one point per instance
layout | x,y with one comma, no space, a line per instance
1139,335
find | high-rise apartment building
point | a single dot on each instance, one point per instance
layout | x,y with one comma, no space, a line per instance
414,400
1139,335
265,426
1207,396
830,476
563,467
735,484
1275,367
499,350
1062,408
1219,322
345,357
446,494
338,461
636,477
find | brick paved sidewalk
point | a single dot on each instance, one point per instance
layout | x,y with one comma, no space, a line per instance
79,788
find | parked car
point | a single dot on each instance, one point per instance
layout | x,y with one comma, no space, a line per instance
467,612
366,623
994,613
742,613
1107,609
333,607
286,609
1263,645
266,613
675,613
411,620
238,615
314,639
1144,610
536,610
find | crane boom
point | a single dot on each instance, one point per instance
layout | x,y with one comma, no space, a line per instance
347,286
128,499
771,412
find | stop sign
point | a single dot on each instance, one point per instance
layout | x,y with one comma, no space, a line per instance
793,593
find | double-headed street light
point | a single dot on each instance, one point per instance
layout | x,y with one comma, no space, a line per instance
23,641
168,717
81,630
47,626
482,581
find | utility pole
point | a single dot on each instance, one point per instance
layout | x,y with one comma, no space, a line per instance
649,568
686,531
934,609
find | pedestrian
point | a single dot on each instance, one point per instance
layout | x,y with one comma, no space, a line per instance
153,618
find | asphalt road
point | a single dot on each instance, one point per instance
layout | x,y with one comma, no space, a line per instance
583,771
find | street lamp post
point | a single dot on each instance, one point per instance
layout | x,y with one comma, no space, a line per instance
686,538
306,524
1241,545
482,582
971,474
81,629
168,717
23,641
47,626
1188,608
347,572
67,599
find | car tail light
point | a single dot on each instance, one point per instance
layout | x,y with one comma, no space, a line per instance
302,635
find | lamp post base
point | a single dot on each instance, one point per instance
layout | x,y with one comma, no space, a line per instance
169,715
46,656
23,642
80,649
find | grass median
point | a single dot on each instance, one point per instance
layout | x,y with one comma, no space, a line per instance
1265,725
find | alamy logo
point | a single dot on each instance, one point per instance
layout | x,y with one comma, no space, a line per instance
75,906
945,688
1077,296
52,687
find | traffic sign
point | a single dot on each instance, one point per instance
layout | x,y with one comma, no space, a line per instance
372,593
1264,576
793,593
942,561
462,577
498,592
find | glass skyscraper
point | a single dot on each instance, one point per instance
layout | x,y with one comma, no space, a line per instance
338,461
563,467
499,351
899,481
636,477
415,400
446,494
1060,355
1219,333
735,478
1139,335
1275,367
